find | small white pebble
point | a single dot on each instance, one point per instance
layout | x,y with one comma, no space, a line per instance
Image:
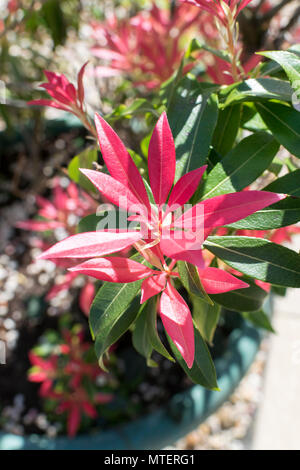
9,324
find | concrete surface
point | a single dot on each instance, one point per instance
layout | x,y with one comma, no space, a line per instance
277,424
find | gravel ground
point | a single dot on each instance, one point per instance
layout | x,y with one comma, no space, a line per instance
230,428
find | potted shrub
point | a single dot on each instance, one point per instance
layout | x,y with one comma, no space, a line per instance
183,234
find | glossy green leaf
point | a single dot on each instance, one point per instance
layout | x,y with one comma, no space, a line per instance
195,45
241,166
259,319
287,184
203,371
84,160
256,90
192,115
251,120
52,17
284,123
139,106
240,300
140,337
273,67
189,277
145,335
205,317
112,323
110,316
281,214
226,129
258,258
108,219
289,62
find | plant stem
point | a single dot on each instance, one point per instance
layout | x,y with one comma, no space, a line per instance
232,52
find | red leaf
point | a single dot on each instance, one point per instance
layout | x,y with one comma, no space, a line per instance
86,297
73,420
226,209
161,160
91,244
51,103
184,246
38,225
152,286
118,161
114,191
177,320
185,188
113,269
217,281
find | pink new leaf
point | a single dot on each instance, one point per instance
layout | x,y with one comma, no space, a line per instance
113,269
118,161
161,160
226,209
152,286
45,102
114,191
74,418
217,281
38,225
86,297
184,246
177,320
91,244
185,188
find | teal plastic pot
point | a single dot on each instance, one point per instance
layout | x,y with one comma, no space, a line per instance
184,412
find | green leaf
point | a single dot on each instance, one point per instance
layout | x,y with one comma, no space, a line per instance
89,223
259,319
257,90
112,326
108,219
287,184
273,68
251,120
195,45
109,318
145,335
54,20
226,129
84,160
139,106
284,123
190,279
240,300
281,214
140,337
258,258
289,62
206,318
241,166
192,115
203,371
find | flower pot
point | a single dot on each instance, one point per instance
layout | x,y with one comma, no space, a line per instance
180,415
